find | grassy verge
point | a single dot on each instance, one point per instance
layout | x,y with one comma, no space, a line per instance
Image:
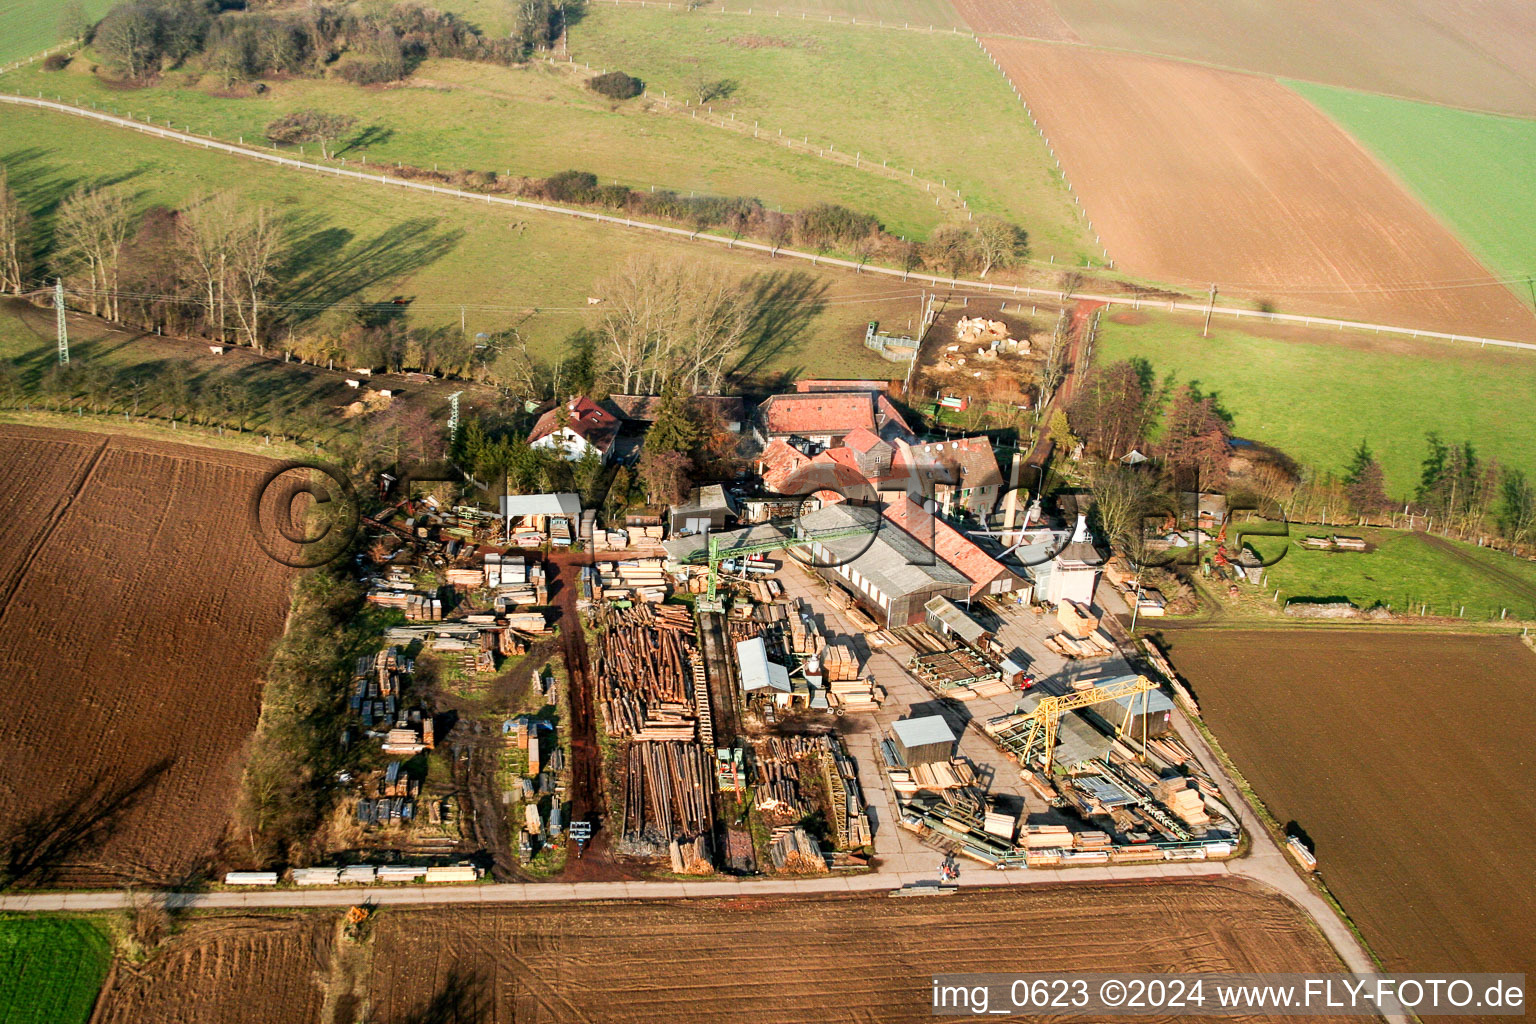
954,118
1316,395
1471,169
51,969
353,244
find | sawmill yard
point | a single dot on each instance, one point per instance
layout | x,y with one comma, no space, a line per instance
129,775
1418,816
705,960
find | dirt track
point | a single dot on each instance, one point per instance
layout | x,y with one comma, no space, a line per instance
136,608
1194,175
739,960
1407,759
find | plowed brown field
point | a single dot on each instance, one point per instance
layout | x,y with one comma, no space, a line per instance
1467,53
135,609
1408,760
260,969
1037,19
1193,175
769,960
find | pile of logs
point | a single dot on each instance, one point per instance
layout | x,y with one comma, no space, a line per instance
645,672
669,791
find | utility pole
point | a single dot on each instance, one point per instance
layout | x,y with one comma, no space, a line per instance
461,322
453,416
1206,333
1531,284
63,328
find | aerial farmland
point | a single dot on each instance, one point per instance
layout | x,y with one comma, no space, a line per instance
852,510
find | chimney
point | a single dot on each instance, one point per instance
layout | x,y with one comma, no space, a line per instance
1080,533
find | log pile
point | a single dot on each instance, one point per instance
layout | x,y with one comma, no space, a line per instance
668,791
645,672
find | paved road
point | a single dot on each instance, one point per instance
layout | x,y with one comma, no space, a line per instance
955,283
538,892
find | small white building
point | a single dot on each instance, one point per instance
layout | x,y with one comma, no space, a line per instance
1075,569
758,674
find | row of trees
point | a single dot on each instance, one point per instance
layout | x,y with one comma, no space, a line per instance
138,38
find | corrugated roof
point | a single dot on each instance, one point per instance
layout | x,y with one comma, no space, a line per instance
541,505
955,617
917,732
757,672
891,559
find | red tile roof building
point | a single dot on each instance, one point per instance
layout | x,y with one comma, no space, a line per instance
578,427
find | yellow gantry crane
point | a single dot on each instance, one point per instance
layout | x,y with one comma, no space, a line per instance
1046,717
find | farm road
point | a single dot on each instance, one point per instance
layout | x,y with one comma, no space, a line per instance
816,259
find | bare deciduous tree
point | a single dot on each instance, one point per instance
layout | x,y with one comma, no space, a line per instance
254,246
13,230
672,322
92,229
206,229
997,244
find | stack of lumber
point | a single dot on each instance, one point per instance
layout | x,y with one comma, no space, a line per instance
669,791
1135,854
643,578
609,540
1045,837
1001,824
1090,840
466,578
765,591
422,608
1184,801
839,661
882,638
1078,621
1096,644
804,640
940,776
855,695
403,741
528,622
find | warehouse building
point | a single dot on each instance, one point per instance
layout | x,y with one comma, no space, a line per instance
888,572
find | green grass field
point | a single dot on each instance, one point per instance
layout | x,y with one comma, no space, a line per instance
539,119
29,27
952,116
354,242
534,120
1316,398
1405,570
51,969
1472,170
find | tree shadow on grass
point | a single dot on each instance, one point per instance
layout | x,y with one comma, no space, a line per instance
325,266
784,305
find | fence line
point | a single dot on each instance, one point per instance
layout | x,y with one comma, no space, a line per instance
955,284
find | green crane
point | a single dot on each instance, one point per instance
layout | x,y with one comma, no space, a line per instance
717,554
